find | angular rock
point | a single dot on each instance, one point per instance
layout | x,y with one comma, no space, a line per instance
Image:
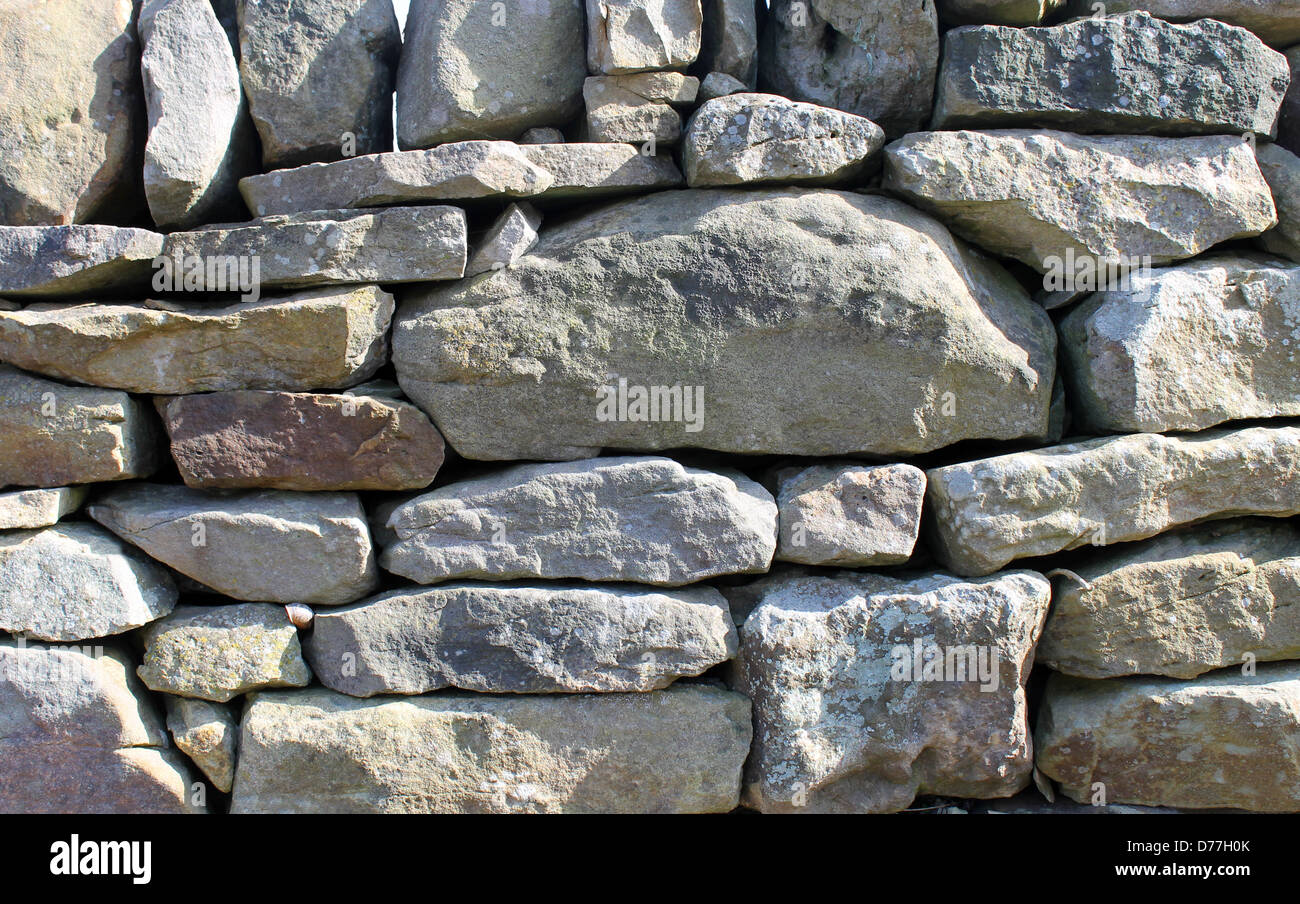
546,638
70,127
747,138
637,108
29,509
769,328
219,652
542,136
869,690
474,70
849,515
719,84
1136,360
1103,491
1288,123
208,734
1281,170
321,339
1185,603
52,434
639,35
511,237
69,261
317,70
1221,741
269,546
678,750
642,519
997,12
872,58
1277,22
301,441
1039,196
730,42
1125,74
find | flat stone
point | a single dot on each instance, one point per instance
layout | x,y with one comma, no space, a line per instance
730,41
719,84
637,108
638,35
544,638
272,546
850,515
319,339
1277,22
1217,742
880,312
219,652
29,509
1288,123
678,750
1204,598
849,718
1281,170
207,733
747,138
1135,359
1039,196
997,12
1125,74
1104,491
301,441
65,261
643,519
511,237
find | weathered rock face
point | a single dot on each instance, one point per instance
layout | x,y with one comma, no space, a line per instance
678,750
761,138
1222,740
208,734
1112,490
301,441
639,35
219,652
869,690
1136,360
52,434
774,312
70,124
1281,170
472,70
322,339
1039,196
996,12
1182,604
315,70
874,58
511,237
78,735
641,519
261,546
1275,21
27,509
638,107
62,261
719,84
849,515
546,638
1125,74
1288,123
730,39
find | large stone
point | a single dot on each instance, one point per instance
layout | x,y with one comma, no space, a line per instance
1275,21
1222,741
52,434
1039,196
64,261
511,237
316,72
743,321
854,516
301,441
1111,490
29,509
219,652
1288,123
730,42
1181,604
462,171
272,546
71,117
639,35
321,339
207,733
1281,170
869,690
997,12
1187,347
874,58
476,70
678,750
637,108
641,519
78,734
333,247
1125,74
544,638
746,138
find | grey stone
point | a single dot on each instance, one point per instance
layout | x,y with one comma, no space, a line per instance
511,237
70,261
29,509
997,12
637,108
719,84
849,515
1288,123
639,35
1277,22
730,42
1281,170
207,733
542,136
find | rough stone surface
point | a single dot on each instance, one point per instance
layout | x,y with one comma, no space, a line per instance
670,751
207,733
545,638
643,519
730,42
219,652
301,441
1275,21
637,108
996,12
719,84
1288,124
63,261
1281,170
542,135
29,509
320,339
511,237
842,722
1222,741
1103,491
474,70
272,546
1039,195
849,515
745,138
639,35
